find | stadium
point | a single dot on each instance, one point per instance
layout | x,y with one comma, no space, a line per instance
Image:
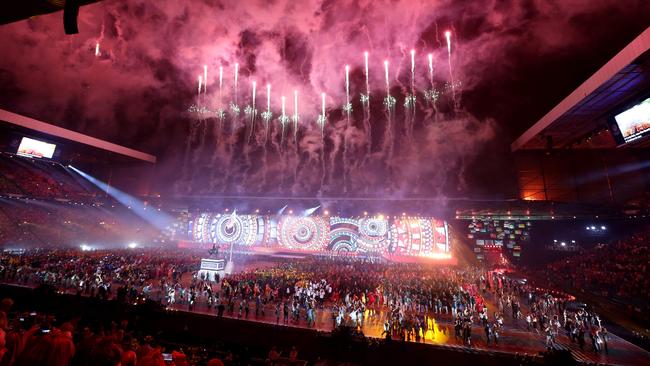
324,183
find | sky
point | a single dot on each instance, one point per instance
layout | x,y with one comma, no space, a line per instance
131,76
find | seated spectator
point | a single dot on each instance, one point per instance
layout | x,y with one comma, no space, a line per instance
55,349
215,362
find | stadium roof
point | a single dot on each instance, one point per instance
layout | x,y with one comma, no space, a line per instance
12,11
580,120
57,131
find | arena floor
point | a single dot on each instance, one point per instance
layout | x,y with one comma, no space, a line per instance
512,339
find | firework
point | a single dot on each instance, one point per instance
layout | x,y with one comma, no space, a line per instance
254,85
365,57
266,116
220,89
251,111
205,78
236,80
234,108
295,115
389,101
448,37
365,98
451,73
412,69
387,80
322,119
220,79
348,106
409,101
200,84
268,98
283,118
347,83
430,57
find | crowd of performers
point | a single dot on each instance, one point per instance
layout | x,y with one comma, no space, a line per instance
410,301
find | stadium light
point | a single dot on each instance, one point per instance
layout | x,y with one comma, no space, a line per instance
281,211
310,211
603,228
132,245
85,247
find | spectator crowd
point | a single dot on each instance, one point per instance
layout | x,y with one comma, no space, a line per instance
619,270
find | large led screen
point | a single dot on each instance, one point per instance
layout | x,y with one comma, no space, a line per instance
366,236
35,148
634,123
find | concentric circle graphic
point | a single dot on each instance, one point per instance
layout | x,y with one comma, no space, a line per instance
306,233
373,236
234,229
373,227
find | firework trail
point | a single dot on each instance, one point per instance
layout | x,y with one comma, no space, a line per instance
97,53
283,121
198,94
389,103
251,111
236,80
267,115
235,123
295,117
409,102
295,136
234,106
348,109
204,127
249,130
367,96
365,102
266,118
220,115
431,95
348,106
322,119
205,79
389,143
451,73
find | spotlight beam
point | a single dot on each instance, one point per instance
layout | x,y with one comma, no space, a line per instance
154,217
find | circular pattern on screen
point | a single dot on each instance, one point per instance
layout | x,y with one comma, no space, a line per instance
373,227
307,233
344,247
234,229
373,234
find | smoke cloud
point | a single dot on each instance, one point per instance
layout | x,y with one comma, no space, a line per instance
136,90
